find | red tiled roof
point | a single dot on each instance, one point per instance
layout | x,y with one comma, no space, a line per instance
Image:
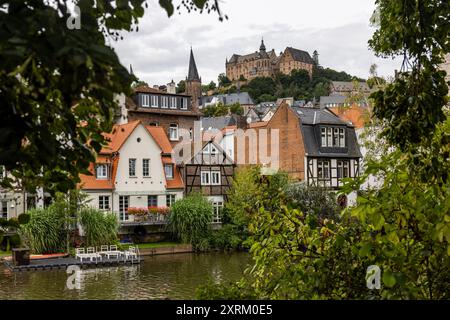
160,137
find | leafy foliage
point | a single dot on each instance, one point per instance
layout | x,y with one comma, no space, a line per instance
45,232
298,84
220,109
190,219
54,79
99,228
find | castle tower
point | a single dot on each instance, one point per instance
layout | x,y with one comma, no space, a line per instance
193,82
262,47
316,57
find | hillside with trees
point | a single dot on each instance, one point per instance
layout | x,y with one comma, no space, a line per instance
298,85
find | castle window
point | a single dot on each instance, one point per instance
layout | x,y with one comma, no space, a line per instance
145,100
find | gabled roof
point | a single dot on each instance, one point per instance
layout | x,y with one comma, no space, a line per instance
118,136
159,135
300,55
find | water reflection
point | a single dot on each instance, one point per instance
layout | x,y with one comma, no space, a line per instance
160,277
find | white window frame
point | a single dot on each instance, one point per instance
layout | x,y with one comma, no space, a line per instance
124,204
132,166
342,166
205,178
170,200
217,211
104,171
329,136
104,203
145,100
206,149
215,178
323,135
184,103
166,166
342,137
164,102
324,165
173,132
146,167
214,149
173,102
154,101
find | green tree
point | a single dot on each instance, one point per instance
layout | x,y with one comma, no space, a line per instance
236,108
223,80
181,87
190,220
53,79
403,226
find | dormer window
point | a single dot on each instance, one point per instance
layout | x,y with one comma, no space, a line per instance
154,100
173,102
164,102
332,137
101,171
145,100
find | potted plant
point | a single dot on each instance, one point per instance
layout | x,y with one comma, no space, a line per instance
139,213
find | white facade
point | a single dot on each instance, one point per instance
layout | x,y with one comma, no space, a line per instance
135,190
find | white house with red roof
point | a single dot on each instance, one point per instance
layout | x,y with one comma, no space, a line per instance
135,170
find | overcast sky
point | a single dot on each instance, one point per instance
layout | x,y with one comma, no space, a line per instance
338,30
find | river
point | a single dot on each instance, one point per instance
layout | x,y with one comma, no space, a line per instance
174,276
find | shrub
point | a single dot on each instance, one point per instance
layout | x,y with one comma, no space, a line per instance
44,233
190,220
316,201
227,237
99,228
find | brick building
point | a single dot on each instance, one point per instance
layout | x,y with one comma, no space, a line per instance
169,110
266,64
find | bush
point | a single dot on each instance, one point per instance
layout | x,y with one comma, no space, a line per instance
227,237
316,201
190,220
44,233
99,228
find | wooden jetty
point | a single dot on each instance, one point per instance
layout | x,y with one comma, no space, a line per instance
63,263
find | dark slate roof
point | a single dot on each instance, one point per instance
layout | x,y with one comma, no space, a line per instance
311,139
300,55
193,73
311,119
228,99
317,116
217,122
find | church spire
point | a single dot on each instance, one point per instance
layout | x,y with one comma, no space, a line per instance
193,73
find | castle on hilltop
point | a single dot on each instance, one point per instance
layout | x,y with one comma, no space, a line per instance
266,64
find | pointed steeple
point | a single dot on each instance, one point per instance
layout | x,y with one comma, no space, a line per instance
193,73
262,47
131,70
